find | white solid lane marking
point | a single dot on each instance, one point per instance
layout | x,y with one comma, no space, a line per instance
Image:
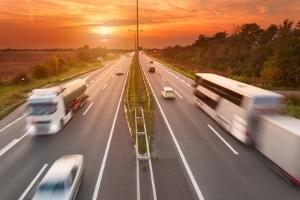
33,182
11,144
8,125
223,140
100,175
186,165
7,147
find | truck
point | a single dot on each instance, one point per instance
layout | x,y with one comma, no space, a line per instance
49,109
278,139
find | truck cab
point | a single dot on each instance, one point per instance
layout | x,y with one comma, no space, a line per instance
51,108
45,112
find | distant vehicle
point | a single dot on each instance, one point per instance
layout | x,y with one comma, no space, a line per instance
51,108
234,105
151,69
63,179
151,61
168,93
119,72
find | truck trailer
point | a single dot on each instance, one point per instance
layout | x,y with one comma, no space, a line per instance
51,108
278,138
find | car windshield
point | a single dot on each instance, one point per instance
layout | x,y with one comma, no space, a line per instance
51,187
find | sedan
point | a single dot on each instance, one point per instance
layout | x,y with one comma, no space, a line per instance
63,179
168,93
119,72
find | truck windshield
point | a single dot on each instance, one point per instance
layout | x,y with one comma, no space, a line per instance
41,109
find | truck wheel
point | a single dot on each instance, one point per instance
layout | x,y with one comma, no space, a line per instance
82,102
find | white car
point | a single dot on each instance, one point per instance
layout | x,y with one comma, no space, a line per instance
168,93
63,179
119,71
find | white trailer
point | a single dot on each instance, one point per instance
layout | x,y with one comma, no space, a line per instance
278,138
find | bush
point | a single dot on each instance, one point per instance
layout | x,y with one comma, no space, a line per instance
40,71
21,78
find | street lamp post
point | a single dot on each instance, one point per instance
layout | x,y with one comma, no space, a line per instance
135,39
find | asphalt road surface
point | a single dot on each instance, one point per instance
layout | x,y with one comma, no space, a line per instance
192,157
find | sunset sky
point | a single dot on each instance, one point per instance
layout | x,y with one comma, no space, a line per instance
105,23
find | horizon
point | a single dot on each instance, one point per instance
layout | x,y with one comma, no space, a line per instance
70,24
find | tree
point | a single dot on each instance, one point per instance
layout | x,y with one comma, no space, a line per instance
250,34
268,35
53,65
270,75
86,55
40,71
285,29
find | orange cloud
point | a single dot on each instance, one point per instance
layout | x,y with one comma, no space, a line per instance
74,23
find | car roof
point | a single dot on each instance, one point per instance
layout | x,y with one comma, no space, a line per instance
168,88
61,167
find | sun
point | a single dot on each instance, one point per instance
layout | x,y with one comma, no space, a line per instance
104,30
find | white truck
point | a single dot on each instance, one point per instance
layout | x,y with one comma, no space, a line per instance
48,110
278,138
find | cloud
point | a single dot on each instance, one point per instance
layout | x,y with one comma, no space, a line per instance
262,9
166,19
214,11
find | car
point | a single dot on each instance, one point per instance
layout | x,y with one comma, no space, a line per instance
62,180
168,93
151,61
119,71
151,69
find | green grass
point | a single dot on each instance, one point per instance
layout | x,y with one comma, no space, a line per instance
291,106
137,97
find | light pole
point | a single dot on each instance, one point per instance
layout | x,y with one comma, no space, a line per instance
135,39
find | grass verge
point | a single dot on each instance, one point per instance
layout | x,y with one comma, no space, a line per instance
138,95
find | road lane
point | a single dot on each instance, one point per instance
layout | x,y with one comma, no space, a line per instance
220,173
85,134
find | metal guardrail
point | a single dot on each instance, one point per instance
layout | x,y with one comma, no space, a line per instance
141,132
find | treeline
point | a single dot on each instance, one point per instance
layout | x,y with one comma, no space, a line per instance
272,55
55,65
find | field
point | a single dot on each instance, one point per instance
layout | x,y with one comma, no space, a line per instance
12,62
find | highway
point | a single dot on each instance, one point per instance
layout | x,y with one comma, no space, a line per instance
99,131
215,165
193,158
